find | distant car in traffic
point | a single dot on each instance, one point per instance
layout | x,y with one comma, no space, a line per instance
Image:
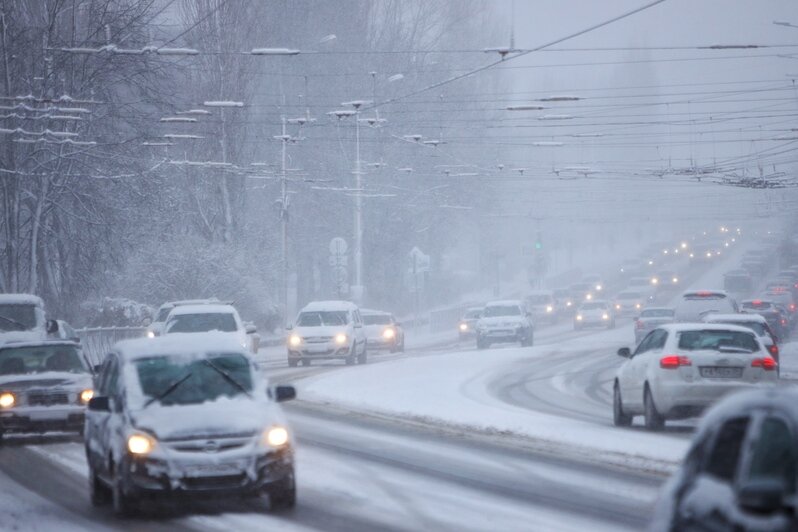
22,318
651,318
666,281
768,310
629,303
596,283
680,369
155,328
741,470
565,300
756,323
44,386
542,305
643,286
467,326
208,317
504,321
738,282
581,292
693,305
382,330
186,416
594,313
327,330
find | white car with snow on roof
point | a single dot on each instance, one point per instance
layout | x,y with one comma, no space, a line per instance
186,415
22,318
220,318
680,369
504,321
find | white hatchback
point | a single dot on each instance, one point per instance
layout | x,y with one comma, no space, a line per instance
680,369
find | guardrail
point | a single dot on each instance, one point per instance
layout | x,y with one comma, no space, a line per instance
97,341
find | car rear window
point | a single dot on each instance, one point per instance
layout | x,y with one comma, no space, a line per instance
715,339
657,313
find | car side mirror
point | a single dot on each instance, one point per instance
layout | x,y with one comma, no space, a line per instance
250,328
51,326
99,404
284,393
625,352
762,496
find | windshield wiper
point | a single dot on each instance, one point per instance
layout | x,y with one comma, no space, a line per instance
21,326
172,387
227,377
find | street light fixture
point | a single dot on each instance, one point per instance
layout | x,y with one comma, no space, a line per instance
274,51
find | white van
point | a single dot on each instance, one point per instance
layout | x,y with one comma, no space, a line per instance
327,330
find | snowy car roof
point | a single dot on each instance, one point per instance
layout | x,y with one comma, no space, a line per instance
182,302
202,309
736,318
12,344
684,327
21,299
371,312
178,344
321,306
782,399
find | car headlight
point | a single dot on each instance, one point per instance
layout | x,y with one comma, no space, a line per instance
275,436
675,280
150,334
340,339
568,303
589,296
599,287
463,327
86,395
637,305
617,307
7,400
140,443
578,317
605,316
549,309
654,281
294,340
389,334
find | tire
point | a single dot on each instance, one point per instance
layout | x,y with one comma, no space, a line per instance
99,493
619,418
526,341
351,358
402,346
306,362
482,344
292,362
124,505
654,420
363,357
282,496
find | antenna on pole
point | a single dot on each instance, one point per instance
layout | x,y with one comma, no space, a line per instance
512,25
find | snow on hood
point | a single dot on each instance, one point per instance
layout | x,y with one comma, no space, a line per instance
501,320
31,335
209,419
46,379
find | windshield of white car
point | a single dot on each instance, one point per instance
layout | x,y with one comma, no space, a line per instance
193,380
193,323
376,320
593,306
716,339
322,318
25,360
17,317
501,310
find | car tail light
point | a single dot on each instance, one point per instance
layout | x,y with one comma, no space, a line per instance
767,363
783,321
792,307
774,350
674,361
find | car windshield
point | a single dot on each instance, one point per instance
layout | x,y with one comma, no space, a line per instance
322,318
377,319
163,314
715,339
502,310
17,317
473,314
201,378
26,360
194,323
657,313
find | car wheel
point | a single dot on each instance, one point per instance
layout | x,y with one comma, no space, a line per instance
306,362
654,420
402,346
99,493
351,358
282,495
482,344
124,505
364,356
619,418
292,362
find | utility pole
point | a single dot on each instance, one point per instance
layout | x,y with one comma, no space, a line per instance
358,211
284,221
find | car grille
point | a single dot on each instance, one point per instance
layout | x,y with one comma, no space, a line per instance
318,339
47,399
212,483
209,444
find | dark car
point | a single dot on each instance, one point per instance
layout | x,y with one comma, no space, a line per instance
741,470
186,416
776,318
467,327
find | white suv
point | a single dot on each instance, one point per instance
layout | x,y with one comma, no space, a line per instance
504,321
208,317
680,369
327,330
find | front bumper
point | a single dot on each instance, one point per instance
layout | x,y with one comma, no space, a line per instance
319,351
42,419
501,335
381,342
238,476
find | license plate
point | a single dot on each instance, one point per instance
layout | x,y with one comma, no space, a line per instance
317,348
721,373
213,470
